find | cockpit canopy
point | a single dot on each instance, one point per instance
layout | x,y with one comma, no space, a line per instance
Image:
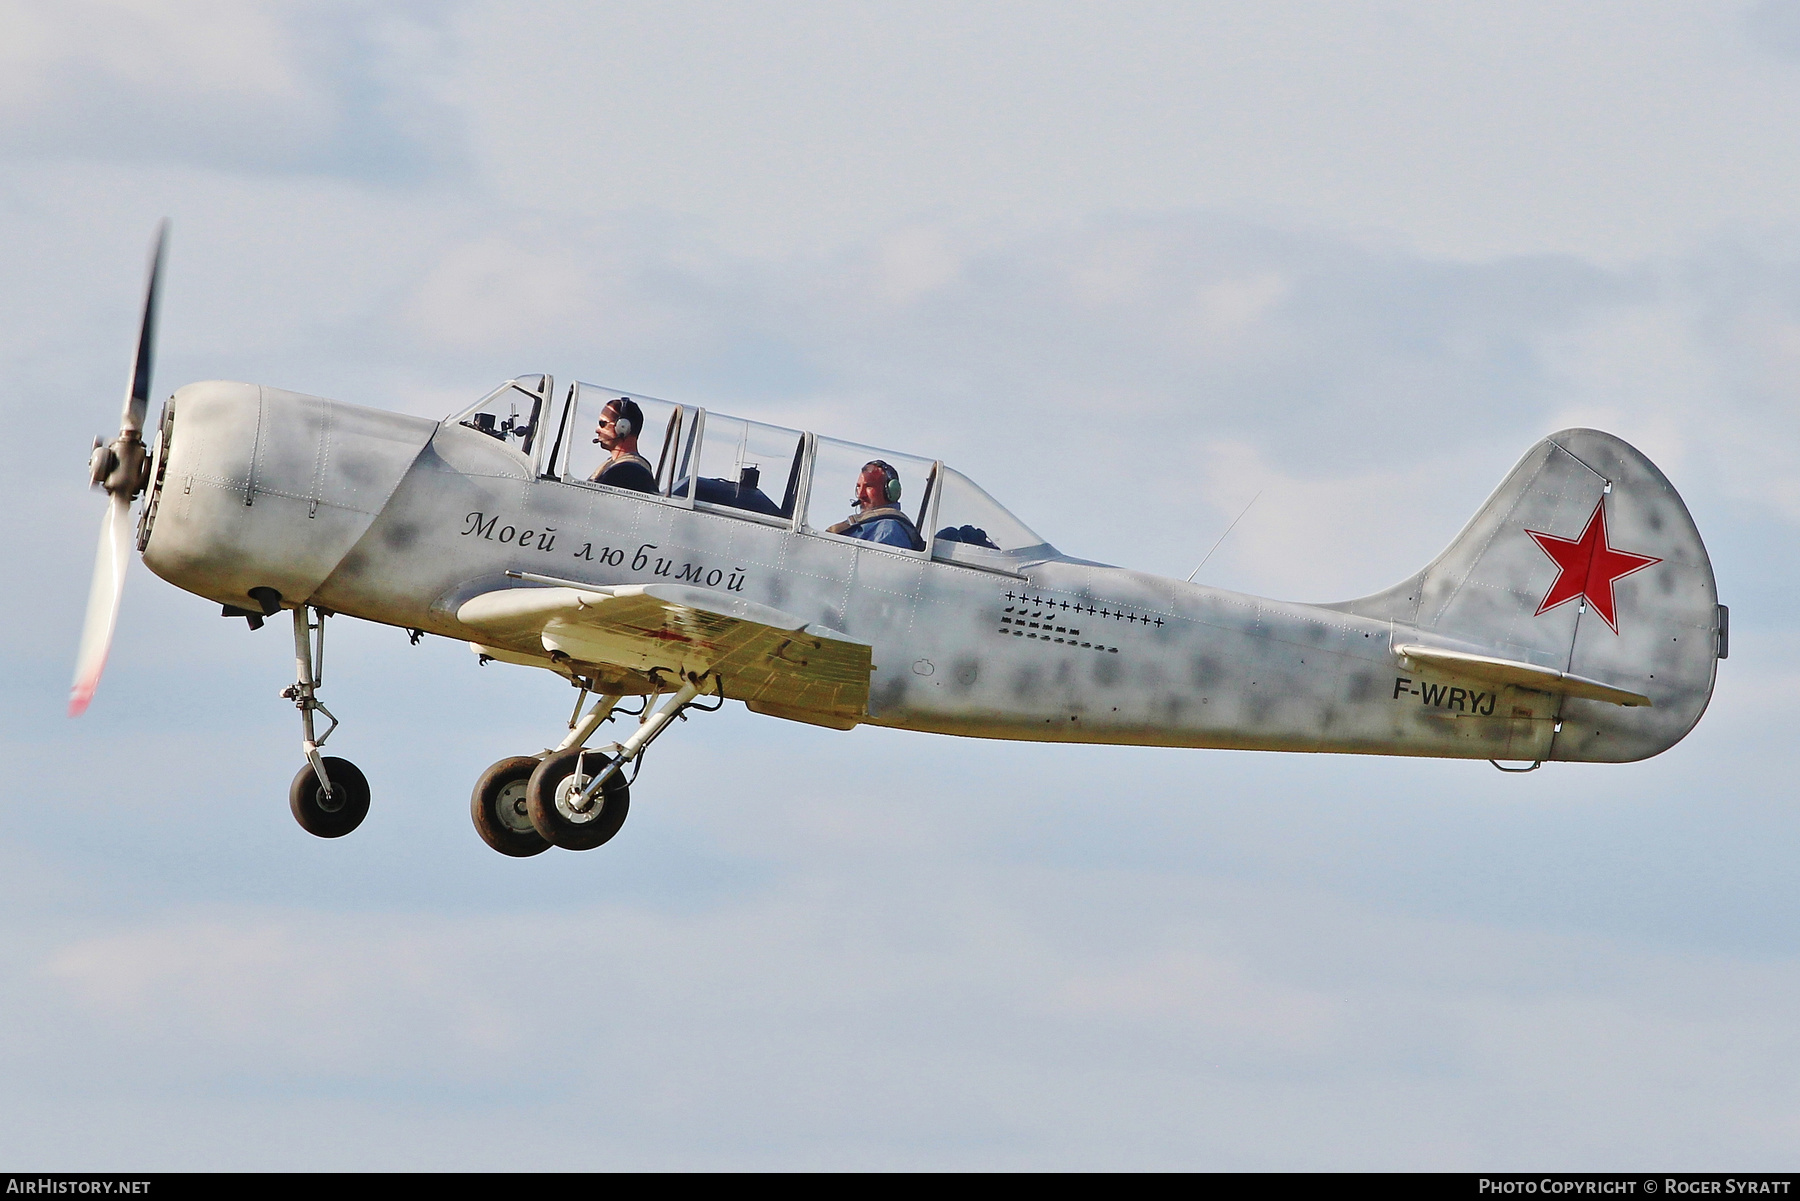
747,469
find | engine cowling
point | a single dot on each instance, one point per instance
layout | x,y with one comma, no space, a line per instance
258,488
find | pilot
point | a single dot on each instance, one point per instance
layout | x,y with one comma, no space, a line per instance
620,423
879,518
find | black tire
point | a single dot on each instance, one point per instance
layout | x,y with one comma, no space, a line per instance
561,826
502,817
342,812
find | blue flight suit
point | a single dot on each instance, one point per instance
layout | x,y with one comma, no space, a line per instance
888,526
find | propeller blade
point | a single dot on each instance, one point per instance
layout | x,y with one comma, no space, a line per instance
137,397
103,601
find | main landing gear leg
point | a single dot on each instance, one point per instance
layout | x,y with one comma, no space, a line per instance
578,798
329,797
580,732
498,804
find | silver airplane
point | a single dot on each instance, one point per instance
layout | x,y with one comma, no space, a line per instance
692,558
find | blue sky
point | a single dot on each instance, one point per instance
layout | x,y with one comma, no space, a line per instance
1128,267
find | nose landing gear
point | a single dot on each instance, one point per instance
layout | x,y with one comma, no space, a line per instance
330,796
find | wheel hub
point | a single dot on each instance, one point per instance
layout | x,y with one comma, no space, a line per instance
568,797
510,807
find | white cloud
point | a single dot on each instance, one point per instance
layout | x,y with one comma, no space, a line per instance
849,1019
1604,130
244,86
1206,992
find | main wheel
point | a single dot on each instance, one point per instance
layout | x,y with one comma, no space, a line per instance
339,813
551,790
501,815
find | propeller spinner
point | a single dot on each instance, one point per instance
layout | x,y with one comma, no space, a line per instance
119,470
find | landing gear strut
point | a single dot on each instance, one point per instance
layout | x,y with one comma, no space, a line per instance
329,797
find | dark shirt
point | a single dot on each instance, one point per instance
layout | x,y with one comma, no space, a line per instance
630,471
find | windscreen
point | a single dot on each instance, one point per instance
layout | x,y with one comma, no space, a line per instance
968,516
510,413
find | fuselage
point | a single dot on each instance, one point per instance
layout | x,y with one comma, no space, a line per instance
1049,648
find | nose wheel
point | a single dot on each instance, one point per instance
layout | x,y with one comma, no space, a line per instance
502,816
334,813
330,796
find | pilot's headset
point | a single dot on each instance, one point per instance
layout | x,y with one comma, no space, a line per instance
627,417
892,491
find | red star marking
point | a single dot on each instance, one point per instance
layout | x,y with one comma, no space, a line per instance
1587,566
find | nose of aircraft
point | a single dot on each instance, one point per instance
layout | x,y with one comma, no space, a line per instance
263,490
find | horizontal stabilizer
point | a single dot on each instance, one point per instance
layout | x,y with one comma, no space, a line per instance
1525,675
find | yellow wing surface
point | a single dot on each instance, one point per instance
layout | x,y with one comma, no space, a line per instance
773,661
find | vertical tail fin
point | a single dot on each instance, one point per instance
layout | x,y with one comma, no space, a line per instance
1584,561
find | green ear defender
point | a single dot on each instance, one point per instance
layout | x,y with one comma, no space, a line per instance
892,492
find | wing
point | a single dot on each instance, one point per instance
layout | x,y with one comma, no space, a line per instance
773,661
